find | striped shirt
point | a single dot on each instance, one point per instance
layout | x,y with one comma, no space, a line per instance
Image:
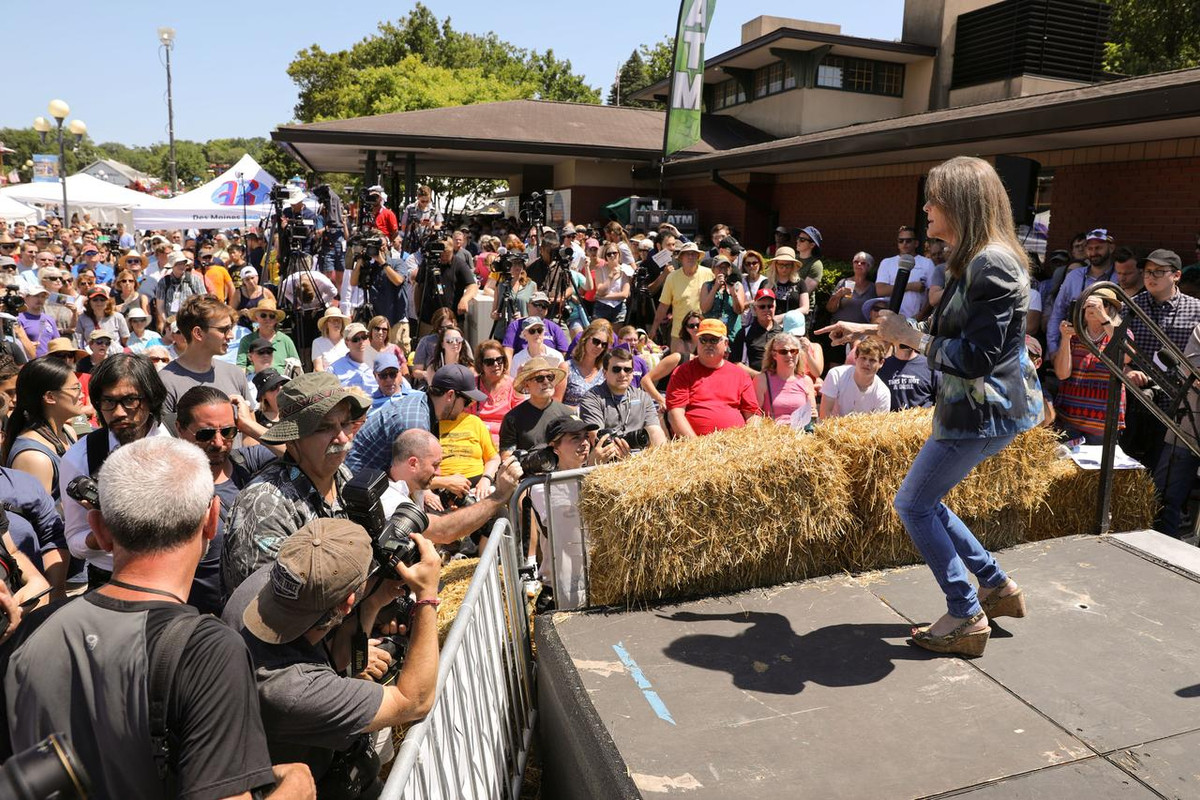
1083,398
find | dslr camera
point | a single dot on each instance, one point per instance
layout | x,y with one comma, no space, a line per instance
537,461
637,440
391,537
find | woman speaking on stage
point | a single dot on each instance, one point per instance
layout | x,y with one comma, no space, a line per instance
988,393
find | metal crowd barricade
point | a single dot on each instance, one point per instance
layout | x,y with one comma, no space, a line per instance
565,551
475,741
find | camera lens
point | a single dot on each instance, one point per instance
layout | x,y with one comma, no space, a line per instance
48,769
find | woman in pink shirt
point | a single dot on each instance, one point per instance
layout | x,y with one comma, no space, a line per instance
491,364
785,392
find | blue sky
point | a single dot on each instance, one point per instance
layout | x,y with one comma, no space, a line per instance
230,60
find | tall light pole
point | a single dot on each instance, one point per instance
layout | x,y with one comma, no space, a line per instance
166,37
59,110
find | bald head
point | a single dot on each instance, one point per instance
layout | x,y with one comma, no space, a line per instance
413,443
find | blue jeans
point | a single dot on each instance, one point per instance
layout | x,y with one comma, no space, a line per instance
945,542
1173,477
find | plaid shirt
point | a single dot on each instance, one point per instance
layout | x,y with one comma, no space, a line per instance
373,443
1177,317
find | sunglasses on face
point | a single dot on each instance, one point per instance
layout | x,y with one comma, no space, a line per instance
126,280
621,370
804,239
544,377
611,254
693,326
208,434
537,331
709,340
8,247
388,374
597,342
453,340
264,352
787,351
264,315
381,328
764,306
101,342
362,337
222,329
492,361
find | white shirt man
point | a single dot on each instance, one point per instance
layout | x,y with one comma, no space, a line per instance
918,280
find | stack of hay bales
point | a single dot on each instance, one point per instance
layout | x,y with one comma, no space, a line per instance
761,505
738,508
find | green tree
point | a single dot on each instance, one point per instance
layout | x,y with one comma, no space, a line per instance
659,59
646,66
26,142
631,78
191,167
1153,37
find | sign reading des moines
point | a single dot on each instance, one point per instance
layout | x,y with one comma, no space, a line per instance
687,80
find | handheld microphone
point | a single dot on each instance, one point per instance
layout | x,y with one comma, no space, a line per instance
905,269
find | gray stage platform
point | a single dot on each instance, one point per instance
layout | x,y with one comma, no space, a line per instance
810,691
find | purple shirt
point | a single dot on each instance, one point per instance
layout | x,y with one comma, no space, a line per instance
40,328
555,337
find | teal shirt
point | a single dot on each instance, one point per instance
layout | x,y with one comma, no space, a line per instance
285,348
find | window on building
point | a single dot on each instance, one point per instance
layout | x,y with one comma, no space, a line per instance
861,75
727,94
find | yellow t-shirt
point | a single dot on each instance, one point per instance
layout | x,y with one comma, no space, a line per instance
682,294
466,445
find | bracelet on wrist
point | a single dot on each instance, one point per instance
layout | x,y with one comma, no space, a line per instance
428,602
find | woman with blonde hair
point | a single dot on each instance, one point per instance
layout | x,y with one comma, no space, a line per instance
784,389
614,233
988,393
584,369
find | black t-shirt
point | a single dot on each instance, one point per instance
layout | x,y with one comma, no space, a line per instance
206,587
455,278
524,426
787,297
751,343
537,271
912,383
213,710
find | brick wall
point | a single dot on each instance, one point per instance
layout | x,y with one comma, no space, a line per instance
715,204
588,202
1146,204
852,215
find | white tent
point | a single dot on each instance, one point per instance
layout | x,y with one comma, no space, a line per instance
241,195
105,202
15,211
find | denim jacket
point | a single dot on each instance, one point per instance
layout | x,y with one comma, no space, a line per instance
989,386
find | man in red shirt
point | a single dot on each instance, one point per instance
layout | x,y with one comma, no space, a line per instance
385,218
709,393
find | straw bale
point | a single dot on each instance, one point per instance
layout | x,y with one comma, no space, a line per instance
456,578
1070,506
743,507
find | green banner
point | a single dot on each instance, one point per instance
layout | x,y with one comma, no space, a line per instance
687,79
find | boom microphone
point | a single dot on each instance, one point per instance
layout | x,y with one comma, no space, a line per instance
905,269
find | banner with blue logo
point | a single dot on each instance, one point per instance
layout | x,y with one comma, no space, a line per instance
238,198
45,168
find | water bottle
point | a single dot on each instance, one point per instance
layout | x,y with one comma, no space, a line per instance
1068,447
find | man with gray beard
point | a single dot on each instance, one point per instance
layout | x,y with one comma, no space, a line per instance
318,418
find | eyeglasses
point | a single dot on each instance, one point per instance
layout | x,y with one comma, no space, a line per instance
452,340
710,340
544,377
208,434
492,361
787,351
1157,273
693,326
223,329
620,370
381,328
73,391
362,337
129,402
126,280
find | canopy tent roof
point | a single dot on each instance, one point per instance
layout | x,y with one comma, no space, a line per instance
239,196
15,211
83,191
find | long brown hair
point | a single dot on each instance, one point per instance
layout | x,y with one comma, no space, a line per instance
969,192
601,329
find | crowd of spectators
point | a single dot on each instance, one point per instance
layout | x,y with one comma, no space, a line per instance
240,403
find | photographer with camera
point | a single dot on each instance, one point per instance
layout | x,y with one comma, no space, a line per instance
552,273
299,227
384,217
332,251
416,464
303,616
445,280
158,700
420,218
625,415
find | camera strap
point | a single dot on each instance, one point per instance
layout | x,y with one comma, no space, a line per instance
358,645
165,663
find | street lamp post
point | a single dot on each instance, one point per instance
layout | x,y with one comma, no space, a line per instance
59,110
166,37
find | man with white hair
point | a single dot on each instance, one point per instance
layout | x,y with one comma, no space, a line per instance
136,646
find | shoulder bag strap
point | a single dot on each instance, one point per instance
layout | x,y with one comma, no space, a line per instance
163,666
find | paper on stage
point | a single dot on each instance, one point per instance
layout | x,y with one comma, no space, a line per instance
1087,456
